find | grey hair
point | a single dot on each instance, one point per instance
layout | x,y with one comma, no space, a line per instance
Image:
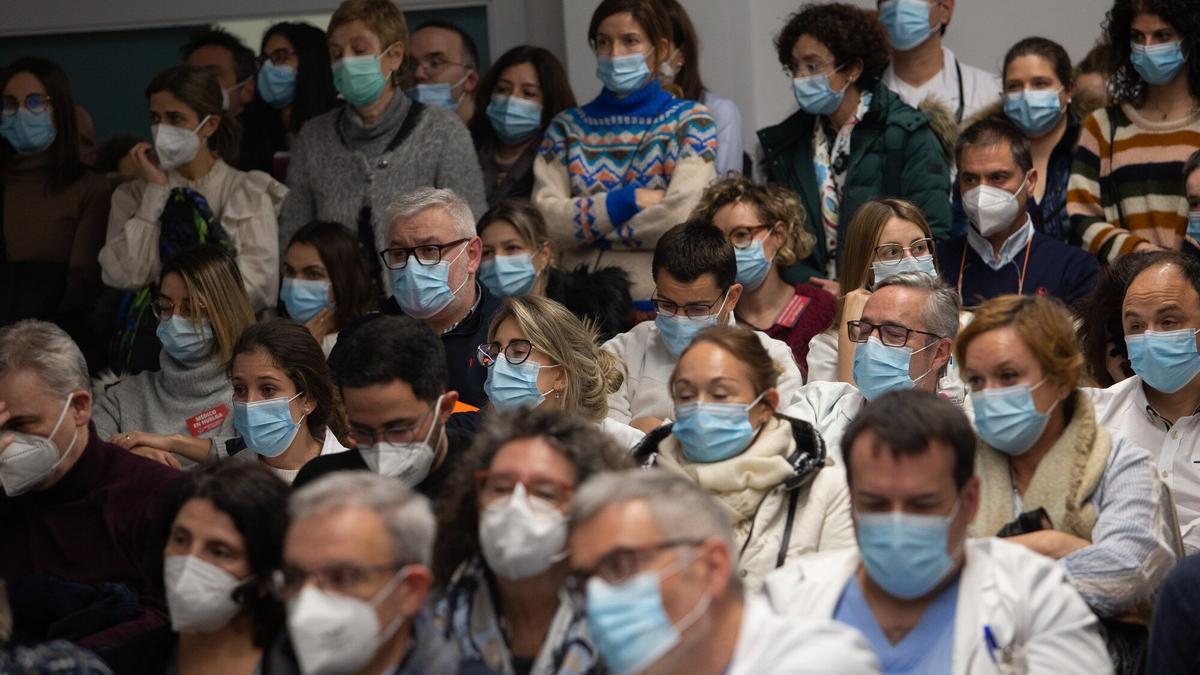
47,350
406,514
422,199
681,509
942,306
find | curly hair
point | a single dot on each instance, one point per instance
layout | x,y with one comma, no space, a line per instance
588,450
851,33
774,204
1127,85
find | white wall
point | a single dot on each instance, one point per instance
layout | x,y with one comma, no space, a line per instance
738,59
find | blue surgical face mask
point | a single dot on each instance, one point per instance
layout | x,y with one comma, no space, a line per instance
423,291
752,265
815,96
713,432
908,263
1193,228
440,94
276,84
1034,111
1007,419
304,298
678,331
1166,361
1158,64
188,342
623,74
508,275
359,79
509,386
28,132
905,553
879,368
515,119
628,623
267,426
906,21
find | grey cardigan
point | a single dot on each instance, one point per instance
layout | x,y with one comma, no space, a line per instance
327,178
163,402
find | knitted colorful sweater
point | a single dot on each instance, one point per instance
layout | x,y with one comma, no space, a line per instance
594,158
1143,168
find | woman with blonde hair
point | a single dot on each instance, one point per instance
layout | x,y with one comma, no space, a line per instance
765,224
180,414
540,355
1051,478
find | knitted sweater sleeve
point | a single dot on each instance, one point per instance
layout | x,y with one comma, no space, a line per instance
129,259
1085,199
570,220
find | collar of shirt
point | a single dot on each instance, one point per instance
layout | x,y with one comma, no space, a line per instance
1008,251
475,306
1153,414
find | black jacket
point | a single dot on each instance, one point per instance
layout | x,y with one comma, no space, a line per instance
466,375
602,296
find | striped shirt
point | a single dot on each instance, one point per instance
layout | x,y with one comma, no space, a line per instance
1131,190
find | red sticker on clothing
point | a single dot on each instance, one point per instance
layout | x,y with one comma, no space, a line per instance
208,420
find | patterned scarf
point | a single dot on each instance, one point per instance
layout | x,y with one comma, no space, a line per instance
831,164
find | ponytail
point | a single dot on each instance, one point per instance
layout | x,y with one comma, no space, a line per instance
227,139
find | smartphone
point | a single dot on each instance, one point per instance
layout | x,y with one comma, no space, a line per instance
153,157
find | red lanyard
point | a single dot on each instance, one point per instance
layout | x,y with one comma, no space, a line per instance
962,266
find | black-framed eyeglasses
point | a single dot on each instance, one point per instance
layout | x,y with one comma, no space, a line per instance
743,237
365,438
435,65
427,255
278,56
35,103
516,353
692,310
894,252
164,308
890,334
341,578
621,563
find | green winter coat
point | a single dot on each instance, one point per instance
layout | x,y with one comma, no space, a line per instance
893,153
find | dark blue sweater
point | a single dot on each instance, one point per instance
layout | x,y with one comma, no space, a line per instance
1173,645
1056,269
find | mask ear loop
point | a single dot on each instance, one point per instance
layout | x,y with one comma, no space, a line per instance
927,372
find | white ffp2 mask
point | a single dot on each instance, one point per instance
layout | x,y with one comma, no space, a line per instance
521,536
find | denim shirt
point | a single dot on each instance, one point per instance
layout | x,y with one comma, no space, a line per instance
1050,216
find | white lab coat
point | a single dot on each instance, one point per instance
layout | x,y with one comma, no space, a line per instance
980,88
1175,453
829,407
1035,614
646,390
770,643
623,435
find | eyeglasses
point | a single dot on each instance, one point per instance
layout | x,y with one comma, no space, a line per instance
164,308
427,255
894,252
890,334
808,69
516,353
365,438
743,237
692,310
436,64
343,579
278,57
493,485
621,563
34,103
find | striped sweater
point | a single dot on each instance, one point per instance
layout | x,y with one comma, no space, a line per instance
595,157
1143,169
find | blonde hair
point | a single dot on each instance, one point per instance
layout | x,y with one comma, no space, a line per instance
592,373
381,17
774,204
862,236
1043,324
524,218
215,287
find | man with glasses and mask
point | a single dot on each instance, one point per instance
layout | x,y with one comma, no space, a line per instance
447,68
928,599
356,574
391,374
695,272
1003,252
433,256
653,559
74,510
904,341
